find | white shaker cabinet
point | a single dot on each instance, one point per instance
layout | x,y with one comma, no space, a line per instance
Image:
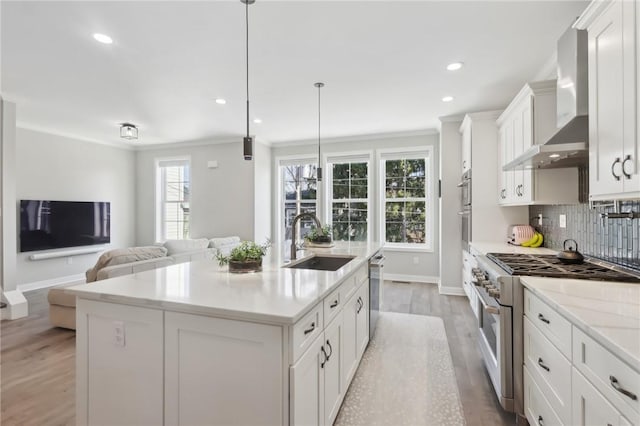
614,160
307,386
530,119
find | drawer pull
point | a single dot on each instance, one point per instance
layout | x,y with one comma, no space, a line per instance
310,329
334,304
540,421
543,319
541,364
616,386
360,305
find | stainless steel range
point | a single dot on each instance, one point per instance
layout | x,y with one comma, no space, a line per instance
499,311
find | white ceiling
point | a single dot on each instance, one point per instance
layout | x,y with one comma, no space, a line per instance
383,64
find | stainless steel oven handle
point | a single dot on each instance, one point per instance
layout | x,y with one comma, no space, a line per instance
489,309
463,212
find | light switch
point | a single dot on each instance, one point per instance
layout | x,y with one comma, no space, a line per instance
563,221
118,333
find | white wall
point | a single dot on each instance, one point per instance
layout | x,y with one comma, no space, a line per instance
450,226
222,198
399,264
8,171
53,167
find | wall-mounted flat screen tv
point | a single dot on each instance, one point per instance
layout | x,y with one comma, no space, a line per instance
48,224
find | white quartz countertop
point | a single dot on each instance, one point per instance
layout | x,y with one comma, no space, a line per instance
275,295
607,311
485,247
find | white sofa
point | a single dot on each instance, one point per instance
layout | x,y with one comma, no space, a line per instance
118,262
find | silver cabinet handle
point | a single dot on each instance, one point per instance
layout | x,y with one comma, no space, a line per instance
543,319
541,364
616,161
616,386
624,171
310,329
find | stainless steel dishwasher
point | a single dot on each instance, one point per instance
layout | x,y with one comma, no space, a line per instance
376,263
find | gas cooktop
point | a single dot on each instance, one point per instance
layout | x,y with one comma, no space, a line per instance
545,265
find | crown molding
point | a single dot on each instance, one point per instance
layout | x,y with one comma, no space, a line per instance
529,89
451,118
358,138
593,10
33,128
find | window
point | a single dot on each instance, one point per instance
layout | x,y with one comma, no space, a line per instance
174,193
406,199
298,194
349,198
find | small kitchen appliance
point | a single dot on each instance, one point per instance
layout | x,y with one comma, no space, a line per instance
570,255
519,234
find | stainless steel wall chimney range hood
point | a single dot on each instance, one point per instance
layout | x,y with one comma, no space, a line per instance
569,146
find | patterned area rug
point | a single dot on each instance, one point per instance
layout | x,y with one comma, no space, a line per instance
406,377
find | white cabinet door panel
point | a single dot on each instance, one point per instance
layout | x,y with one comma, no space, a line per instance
333,384
349,339
222,372
362,332
307,386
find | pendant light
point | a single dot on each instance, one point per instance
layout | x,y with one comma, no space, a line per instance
319,85
248,141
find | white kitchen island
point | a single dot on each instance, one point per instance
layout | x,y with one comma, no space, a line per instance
192,344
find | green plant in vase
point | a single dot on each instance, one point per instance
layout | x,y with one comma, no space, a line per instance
319,235
246,257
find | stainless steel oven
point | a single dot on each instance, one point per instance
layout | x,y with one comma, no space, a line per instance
465,208
376,265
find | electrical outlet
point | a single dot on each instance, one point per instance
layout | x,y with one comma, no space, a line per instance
563,221
416,260
539,219
118,333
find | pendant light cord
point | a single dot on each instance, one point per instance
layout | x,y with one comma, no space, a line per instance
319,87
247,51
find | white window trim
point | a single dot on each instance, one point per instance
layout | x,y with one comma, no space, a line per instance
289,160
353,157
159,231
408,152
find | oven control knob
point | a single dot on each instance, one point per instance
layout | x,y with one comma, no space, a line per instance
476,271
480,276
494,292
484,283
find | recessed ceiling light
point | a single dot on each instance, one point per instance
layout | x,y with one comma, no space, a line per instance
454,66
221,101
447,99
554,156
102,38
257,120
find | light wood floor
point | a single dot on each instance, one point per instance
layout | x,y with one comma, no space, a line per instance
37,361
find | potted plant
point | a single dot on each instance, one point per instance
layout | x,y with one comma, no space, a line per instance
319,236
246,257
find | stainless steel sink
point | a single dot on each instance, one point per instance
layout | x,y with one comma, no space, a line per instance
323,263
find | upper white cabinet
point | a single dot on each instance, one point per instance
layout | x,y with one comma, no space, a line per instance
466,148
531,119
614,160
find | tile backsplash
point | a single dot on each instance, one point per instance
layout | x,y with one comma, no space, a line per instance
613,240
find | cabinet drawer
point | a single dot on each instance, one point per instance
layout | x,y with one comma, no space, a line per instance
334,301
350,286
607,372
536,407
549,322
590,407
305,331
361,275
550,369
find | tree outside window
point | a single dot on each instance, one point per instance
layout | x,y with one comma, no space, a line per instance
299,193
350,201
405,200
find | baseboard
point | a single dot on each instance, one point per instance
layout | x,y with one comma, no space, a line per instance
17,306
450,291
411,278
51,282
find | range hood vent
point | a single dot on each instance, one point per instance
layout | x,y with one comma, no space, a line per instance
569,146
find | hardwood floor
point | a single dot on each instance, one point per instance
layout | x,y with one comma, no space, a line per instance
37,361
479,402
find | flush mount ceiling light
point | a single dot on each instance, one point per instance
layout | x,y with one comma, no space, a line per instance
454,66
247,141
447,99
319,85
128,131
221,101
103,38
